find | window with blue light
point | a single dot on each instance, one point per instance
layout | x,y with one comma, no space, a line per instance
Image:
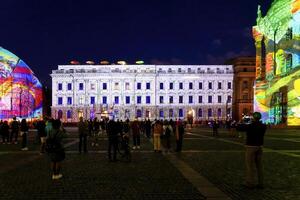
190,99
209,112
127,99
139,86
138,99
148,99
180,112
181,86
161,86
210,86
209,99
92,100
59,100
171,86
170,99
200,100
161,113
200,86
116,99
180,99
69,86
80,86
148,86
229,85
190,85
104,86
69,100
59,87
161,99
104,99
219,99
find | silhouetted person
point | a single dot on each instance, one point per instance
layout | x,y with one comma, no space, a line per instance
82,131
179,135
24,132
112,133
255,132
41,129
215,127
5,132
135,127
15,128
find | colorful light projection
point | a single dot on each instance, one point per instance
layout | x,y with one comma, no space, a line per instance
277,41
20,90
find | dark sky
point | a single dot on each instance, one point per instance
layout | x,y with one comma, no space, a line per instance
46,33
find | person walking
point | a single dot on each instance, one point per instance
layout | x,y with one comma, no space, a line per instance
24,132
112,133
15,128
255,132
55,147
157,132
41,129
179,135
82,130
135,127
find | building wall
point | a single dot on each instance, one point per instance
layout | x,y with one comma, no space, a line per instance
122,81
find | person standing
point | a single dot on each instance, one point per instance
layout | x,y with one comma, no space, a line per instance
168,131
215,127
41,129
82,130
15,128
112,134
255,132
148,128
136,134
157,132
5,132
179,135
24,132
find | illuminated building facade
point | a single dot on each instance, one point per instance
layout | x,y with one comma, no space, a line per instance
142,91
20,90
243,82
277,41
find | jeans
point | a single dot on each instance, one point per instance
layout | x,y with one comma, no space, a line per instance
13,134
253,159
136,140
112,146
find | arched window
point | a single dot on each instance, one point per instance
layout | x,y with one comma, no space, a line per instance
180,112
200,114
219,112
138,113
161,113
209,112
69,114
60,114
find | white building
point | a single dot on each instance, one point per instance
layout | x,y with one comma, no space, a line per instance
144,91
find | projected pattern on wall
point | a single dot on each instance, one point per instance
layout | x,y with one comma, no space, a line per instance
20,90
277,41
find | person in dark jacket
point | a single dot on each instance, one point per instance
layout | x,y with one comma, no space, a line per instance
5,132
112,133
179,135
148,128
135,129
255,132
24,131
41,130
82,130
15,128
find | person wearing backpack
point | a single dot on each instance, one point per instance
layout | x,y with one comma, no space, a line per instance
55,149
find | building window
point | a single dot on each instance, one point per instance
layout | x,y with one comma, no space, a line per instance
148,99
190,85
219,85
245,85
171,86
171,113
104,99
69,100
219,99
138,113
179,70
80,86
148,86
127,99
69,114
69,86
116,99
210,86
139,86
229,85
170,99
93,86
161,113
161,86
200,86
127,86
200,114
147,114
104,86
209,112
209,99
116,86
181,86
229,99
92,100
138,99
219,112
190,99
59,100
180,99
60,114
161,99
200,100
180,112
59,86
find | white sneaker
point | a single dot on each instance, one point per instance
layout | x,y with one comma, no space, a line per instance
134,147
59,176
25,149
138,147
54,177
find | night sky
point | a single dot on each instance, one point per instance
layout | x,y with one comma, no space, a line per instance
46,33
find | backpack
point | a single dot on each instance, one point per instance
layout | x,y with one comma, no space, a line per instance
53,145
168,132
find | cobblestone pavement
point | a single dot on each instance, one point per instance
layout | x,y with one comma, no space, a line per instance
27,175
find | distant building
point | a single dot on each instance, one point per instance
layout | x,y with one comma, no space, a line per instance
20,91
243,83
142,91
277,41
